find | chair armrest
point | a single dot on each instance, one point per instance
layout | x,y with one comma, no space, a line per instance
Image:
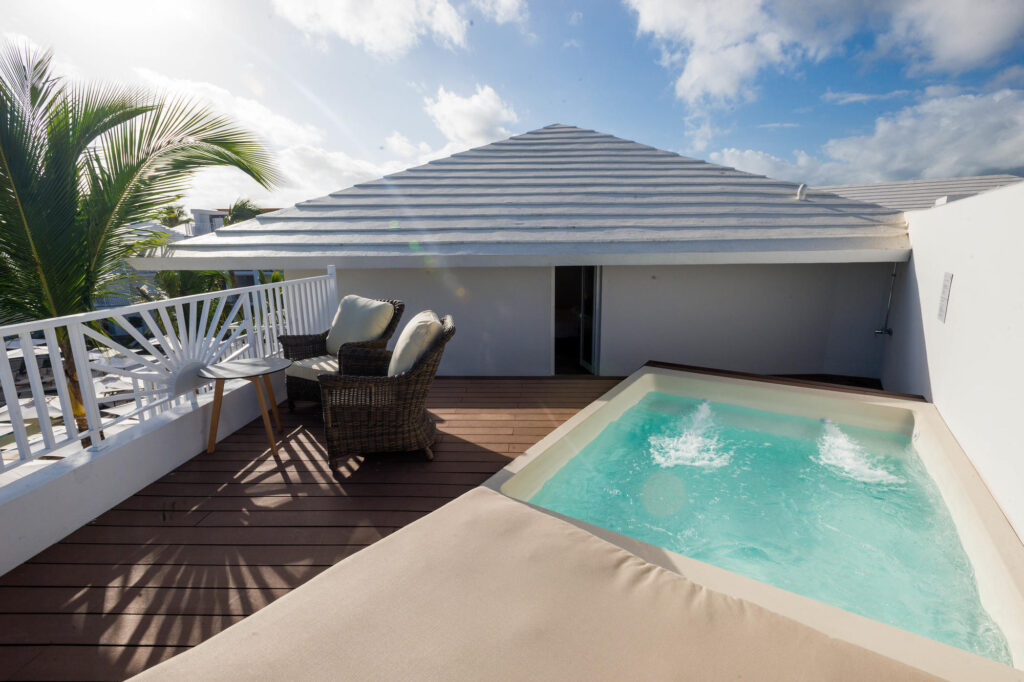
358,359
343,394
302,346
348,382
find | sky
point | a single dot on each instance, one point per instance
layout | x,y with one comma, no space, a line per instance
344,91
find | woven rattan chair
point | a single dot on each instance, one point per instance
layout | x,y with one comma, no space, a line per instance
371,412
303,346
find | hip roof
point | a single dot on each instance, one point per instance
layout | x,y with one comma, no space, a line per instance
559,195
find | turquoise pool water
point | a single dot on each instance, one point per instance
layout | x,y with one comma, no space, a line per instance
842,514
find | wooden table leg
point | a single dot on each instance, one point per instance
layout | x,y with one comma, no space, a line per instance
266,417
218,394
273,401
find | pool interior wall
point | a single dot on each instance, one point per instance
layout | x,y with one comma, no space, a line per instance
994,549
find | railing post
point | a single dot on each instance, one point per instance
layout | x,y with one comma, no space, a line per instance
60,382
332,292
13,406
80,355
250,337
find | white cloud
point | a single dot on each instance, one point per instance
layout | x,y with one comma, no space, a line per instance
381,27
575,18
860,97
398,144
719,48
470,121
953,35
275,129
700,132
946,134
803,168
778,125
503,11
1011,76
309,169
722,46
60,66
573,43
943,136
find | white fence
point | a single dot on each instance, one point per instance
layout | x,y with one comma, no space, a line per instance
137,361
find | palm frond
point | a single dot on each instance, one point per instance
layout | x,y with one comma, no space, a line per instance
80,167
28,93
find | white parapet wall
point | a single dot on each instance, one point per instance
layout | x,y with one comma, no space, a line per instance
44,501
971,363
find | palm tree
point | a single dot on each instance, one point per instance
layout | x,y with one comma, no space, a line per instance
274,277
242,209
175,283
80,166
173,215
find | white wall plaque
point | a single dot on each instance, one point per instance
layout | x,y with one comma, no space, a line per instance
947,282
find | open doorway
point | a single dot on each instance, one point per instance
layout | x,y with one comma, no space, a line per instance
575,319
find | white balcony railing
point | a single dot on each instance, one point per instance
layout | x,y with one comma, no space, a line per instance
137,361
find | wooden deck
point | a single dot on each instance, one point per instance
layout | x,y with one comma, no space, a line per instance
228,533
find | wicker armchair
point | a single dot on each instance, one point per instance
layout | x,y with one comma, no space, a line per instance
372,412
303,346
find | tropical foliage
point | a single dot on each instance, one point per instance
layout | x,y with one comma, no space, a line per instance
80,166
274,276
242,209
174,283
173,215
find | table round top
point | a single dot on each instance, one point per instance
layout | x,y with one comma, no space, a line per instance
244,368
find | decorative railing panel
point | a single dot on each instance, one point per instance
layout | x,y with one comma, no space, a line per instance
88,377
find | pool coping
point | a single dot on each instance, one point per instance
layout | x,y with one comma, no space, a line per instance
994,548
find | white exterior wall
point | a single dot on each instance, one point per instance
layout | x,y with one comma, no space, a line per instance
972,365
504,317
775,319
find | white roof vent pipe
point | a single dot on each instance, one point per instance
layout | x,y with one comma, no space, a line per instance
801,192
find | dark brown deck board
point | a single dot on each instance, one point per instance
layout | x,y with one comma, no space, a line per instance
227,533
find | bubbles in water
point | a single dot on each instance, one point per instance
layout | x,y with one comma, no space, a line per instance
663,494
697,444
840,452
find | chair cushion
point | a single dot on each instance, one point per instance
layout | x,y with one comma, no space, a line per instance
419,334
311,368
358,319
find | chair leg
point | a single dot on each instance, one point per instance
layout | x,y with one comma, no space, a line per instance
291,405
428,453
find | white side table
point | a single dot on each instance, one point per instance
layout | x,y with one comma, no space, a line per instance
251,369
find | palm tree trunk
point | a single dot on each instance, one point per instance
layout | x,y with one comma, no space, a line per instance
74,388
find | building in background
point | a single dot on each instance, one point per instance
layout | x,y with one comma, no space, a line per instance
569,250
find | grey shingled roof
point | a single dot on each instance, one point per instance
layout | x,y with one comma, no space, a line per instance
911,195
559,195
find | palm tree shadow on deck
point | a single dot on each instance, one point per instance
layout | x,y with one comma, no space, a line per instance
225,534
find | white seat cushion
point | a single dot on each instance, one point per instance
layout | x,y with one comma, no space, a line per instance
311,368
358,319
419,334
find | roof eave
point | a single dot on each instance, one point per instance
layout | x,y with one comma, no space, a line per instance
889,251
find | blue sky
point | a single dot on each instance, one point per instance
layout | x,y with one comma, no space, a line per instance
855,91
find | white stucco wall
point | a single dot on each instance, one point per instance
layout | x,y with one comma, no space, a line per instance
972,365
781,319
41,503
503,316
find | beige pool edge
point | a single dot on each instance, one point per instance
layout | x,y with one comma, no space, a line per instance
994,549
